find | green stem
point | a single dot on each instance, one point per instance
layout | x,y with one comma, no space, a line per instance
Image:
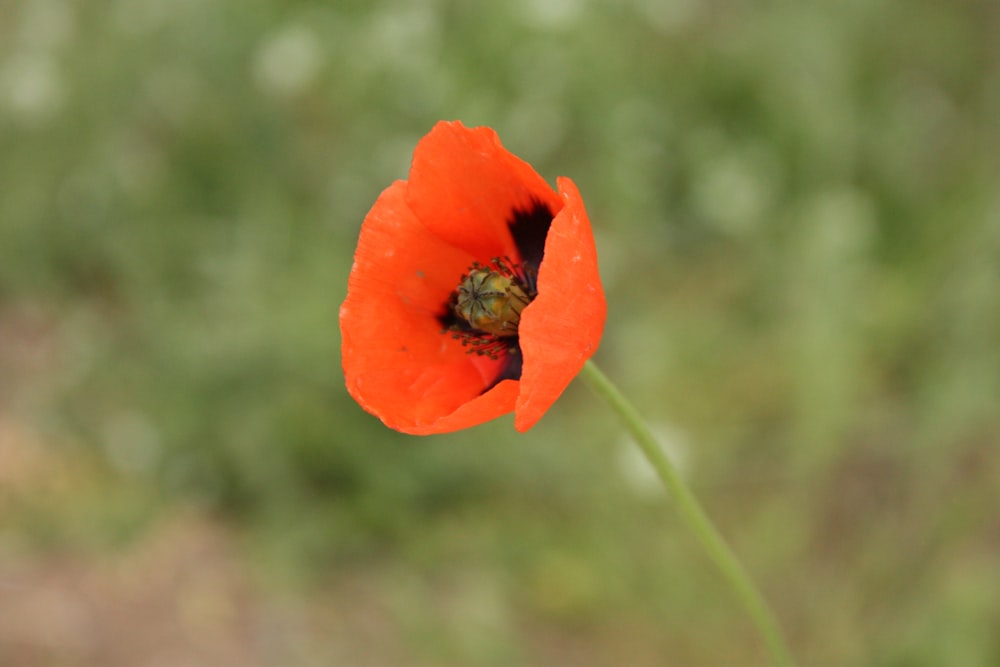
694,515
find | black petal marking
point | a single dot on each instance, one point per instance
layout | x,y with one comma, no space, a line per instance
511,369
529,227
449,319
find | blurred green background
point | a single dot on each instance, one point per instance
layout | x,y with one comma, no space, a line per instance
798,219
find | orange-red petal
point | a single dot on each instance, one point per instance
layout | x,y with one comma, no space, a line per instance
464,186
562,327
397,363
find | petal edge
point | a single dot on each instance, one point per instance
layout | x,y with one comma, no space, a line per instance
562,327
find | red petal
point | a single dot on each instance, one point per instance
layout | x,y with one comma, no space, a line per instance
397,363
496,402
464,186
562,327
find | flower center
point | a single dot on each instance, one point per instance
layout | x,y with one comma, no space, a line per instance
491,302
487,305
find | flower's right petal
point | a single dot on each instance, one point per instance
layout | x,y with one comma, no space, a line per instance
398,364
466,187
562,327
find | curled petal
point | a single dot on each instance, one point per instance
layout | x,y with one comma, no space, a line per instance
562,327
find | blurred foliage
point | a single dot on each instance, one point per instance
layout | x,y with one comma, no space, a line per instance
798,214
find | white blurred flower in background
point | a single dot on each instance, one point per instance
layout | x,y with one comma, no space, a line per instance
637,471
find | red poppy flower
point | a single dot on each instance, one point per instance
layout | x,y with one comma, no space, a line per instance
474,290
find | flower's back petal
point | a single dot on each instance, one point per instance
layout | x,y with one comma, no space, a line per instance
465,186
398,364
562,327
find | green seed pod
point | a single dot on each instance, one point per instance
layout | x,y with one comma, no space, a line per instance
491,302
